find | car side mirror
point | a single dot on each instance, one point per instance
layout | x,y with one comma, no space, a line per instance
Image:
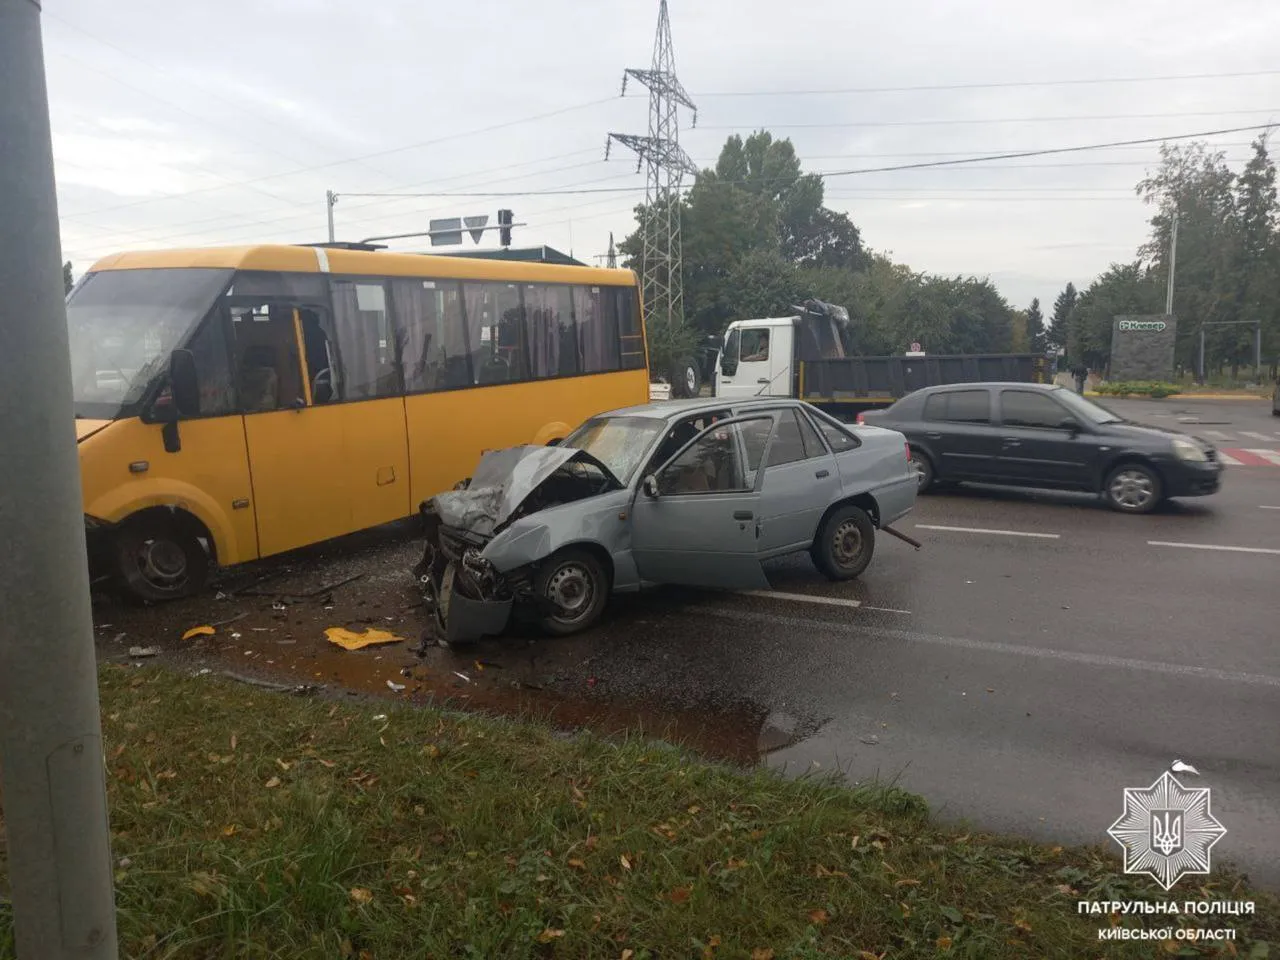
650,487
184,383
1071,425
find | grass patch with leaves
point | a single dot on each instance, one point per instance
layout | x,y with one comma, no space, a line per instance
251,824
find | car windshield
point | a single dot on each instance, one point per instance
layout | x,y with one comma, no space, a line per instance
122,326
620,443
1086,408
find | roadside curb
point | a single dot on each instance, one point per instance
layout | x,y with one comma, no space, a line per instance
1184,396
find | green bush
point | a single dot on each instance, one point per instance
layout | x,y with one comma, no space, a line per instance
1139,388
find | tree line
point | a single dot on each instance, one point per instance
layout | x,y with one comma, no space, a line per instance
758,238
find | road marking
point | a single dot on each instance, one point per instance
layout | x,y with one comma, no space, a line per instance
1211,546
861,631
822,601
1000,533
1256,436
1272,456
1216,434
1269,508
1229,460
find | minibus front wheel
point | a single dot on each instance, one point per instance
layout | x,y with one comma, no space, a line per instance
159,556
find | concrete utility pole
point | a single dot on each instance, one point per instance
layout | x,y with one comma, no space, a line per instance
51,765
1173,260
330,198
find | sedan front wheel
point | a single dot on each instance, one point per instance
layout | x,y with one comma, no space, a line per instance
1133,488
923,467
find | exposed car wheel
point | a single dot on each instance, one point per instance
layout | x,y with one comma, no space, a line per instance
160,560
1133,488
575,587
686,380
923,467
845,543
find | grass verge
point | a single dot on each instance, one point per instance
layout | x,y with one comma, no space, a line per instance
250,824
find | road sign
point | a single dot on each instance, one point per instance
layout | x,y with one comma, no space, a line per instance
446,233
475,226
915,347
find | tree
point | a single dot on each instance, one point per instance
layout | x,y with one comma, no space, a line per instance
1034,329
68,280
1257,282
1062,307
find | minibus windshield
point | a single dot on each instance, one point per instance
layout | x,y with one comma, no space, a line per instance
122,326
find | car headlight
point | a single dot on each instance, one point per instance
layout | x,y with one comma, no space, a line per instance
1186,450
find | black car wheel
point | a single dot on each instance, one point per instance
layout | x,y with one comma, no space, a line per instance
1133,488
160,560
923,467
574,586
686,380
845,543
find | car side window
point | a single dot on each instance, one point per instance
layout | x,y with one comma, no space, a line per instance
959,406
713,464
1025,408
755,345
788,444
809,436
838,439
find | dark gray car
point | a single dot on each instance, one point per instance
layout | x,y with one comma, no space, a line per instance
691,492
1033,435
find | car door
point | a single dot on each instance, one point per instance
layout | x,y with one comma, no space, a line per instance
696,525
800,480
752,361
1042,443
959,434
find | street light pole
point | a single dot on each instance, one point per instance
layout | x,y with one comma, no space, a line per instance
330,198
51,763
1173,260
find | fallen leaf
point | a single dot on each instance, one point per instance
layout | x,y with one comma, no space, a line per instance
694,810
361,895
626,864
907,883
1065,888
627,954
201,631
944,943
283,765
679,895
365,955
350,640
547,935
818,916
328,764
591,843
1022,925
233,743
273,783
762,953
577,864
229,831
479,666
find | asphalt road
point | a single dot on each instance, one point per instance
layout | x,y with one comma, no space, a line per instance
1019,679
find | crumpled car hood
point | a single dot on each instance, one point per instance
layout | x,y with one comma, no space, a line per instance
502,481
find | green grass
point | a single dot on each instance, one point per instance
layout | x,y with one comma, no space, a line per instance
251,824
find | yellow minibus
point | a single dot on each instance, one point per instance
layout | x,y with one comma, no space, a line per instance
238,402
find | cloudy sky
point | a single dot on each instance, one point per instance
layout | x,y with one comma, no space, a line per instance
201,123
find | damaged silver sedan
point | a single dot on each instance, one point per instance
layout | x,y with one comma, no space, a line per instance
693,492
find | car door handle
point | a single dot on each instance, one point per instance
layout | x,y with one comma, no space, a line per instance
742,514
822,474
1010,442
934,436
763,380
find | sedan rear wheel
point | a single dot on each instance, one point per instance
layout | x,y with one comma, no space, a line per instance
574,586
924,470
845,543
1133,488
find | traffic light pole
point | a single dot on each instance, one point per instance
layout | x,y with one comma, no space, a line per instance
51,763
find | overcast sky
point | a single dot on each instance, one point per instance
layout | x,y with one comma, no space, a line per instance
194,123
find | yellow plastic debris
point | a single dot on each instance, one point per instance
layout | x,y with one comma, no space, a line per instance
205,631
350,640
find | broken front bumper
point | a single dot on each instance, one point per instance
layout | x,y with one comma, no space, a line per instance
465,596
463,619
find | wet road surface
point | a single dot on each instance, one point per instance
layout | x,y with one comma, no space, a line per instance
1036,657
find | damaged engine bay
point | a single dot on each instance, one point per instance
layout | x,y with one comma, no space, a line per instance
465,594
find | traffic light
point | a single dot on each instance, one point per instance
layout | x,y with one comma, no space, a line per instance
505,219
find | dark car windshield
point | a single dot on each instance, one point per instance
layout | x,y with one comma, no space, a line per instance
1085,408
620,443
122,326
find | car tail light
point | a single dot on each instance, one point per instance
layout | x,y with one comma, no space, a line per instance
860,419
907,447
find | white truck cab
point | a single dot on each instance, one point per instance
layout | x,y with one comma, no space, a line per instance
757,357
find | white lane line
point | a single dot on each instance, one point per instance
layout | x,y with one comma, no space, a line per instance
821,601
1271,456
1256,436
861,631
1269,508
1211,546
1000,533
1216,434
1229,460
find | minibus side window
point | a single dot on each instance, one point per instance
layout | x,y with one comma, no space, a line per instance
213,367
268,372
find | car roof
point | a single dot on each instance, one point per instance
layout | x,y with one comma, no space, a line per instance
984,384
666,409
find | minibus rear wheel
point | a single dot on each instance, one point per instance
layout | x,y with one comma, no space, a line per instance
160,558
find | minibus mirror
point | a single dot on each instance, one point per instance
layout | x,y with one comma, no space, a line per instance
184,383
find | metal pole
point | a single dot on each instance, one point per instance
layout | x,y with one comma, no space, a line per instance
1200,365
51,764
1173,260
1257,352
330,198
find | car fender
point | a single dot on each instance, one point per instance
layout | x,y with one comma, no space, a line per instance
600,522
1113,460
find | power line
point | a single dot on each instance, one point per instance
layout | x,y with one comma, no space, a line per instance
973,121
991,85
